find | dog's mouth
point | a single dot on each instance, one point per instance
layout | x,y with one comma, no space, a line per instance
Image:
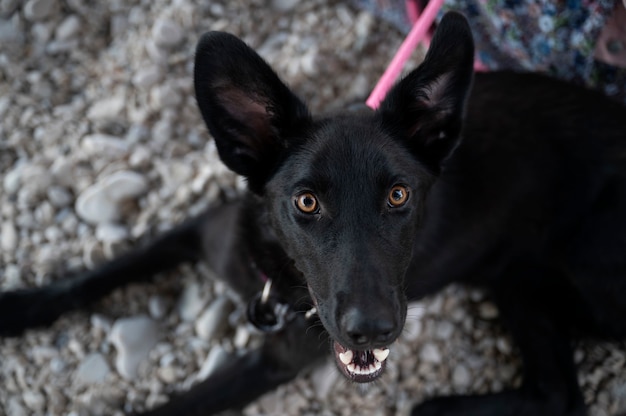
360,366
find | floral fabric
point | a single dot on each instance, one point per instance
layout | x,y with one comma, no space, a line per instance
557,37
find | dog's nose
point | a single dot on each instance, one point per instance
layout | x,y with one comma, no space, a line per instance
368,328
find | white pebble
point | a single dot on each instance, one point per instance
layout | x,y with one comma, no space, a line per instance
190,303
461,376
59,196
107,108
157,307
68,28
140,158
216,357
168,374
214,320
147,76
111,233
34,400
15,407
104,145
284,5
12,278
12,180
133,338
323,379
164,96
412,329
8,236
241,338
93,369
166,32
39,9
444,330
430,353
101,202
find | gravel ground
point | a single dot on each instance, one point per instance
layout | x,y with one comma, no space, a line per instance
101,144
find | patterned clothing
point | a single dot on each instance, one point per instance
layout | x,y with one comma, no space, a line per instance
557,37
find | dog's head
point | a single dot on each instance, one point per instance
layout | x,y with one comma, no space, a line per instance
345,193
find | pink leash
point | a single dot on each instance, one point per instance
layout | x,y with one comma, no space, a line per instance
415,36
421,23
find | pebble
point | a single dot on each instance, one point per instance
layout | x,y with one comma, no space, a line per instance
39,9
12,276
157,307
164,96
59,196
147,76
214,320
12,180
8,236
504,345
140,158
461,377
16,408
34,400
488,310
93,369
241,338
10,36
168,374
284,5
412,328
57,365
105,145
133,338
8,6
430,353
166,32
191,302
444,330
107,108
111,233
68,28
323,379
216,357
102,202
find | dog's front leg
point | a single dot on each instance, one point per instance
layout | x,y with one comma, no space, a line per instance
550,386
246,377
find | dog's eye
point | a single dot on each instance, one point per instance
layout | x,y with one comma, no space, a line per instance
398,196
307,203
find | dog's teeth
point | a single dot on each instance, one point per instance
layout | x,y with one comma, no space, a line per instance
377,365
346,357
351,368
381,355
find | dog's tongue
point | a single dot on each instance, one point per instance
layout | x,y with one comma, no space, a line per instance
360,366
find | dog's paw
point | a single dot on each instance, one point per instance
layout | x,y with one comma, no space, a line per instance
25,308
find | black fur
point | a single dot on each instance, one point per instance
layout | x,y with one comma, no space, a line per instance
522,191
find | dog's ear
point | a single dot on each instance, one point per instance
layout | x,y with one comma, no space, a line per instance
427,106
248,110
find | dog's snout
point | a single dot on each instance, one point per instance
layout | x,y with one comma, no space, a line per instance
368,327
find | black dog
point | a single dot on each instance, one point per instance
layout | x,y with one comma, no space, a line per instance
522,191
